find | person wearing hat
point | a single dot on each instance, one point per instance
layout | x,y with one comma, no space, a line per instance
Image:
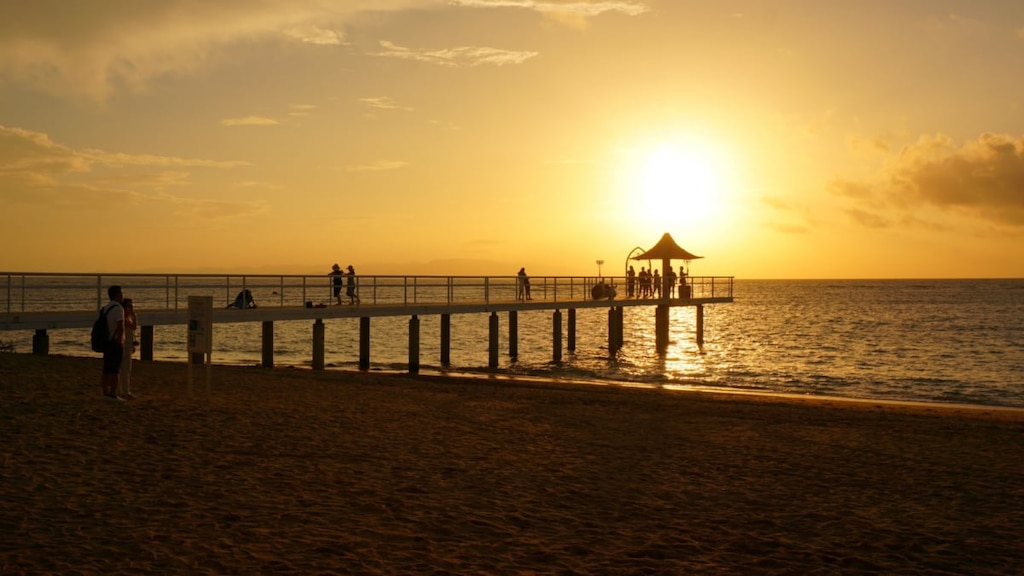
350,290
335,275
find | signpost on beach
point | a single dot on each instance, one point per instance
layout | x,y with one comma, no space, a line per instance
200,335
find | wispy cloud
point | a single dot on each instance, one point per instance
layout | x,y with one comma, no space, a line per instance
384,103
580,8
311,34
456,57
36,171
301,109
100,48
378,166
249,121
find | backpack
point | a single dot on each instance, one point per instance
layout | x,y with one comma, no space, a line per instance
100,331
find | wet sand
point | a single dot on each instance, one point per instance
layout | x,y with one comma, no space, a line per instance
290,471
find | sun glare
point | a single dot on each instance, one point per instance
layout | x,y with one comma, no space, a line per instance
676,185
679,181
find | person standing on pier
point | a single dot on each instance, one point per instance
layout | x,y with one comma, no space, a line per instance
630,281
336,275
350,289
656,284
113,352
131,322
671,282
523,289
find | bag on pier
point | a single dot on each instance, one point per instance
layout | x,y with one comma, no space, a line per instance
100,332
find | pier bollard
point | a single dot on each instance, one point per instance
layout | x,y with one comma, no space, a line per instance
41,342
414,345
146,344
318,344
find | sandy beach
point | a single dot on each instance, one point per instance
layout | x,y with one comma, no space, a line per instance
290,471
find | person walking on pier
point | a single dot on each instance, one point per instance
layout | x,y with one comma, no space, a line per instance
131,322
336,275
113,352
350,289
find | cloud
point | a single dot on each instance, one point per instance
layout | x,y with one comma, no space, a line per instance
100,48
249,121
311,34
301,109
982,178
378,166
464,56
36,170
383,103
579,8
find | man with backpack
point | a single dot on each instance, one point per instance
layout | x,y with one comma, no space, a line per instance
113,351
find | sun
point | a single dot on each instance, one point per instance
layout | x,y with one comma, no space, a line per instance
678,181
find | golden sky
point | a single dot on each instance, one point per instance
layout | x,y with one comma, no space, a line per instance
781,139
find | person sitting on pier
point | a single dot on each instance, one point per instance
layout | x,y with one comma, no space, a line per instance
243,300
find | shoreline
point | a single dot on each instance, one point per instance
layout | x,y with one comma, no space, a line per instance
288,470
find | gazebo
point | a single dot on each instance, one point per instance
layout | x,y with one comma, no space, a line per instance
667,250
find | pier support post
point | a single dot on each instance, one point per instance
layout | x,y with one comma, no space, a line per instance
364,343
446,339
613,343
571,344
661,327
513,333
414,345
700,325
619,326
146,343
318,344
556,336
268,343
41,342
492,333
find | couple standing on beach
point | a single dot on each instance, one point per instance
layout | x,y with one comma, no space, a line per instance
122,322
350,290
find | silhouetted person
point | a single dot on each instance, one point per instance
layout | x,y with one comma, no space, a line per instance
243,300
336,280
630,282
350,288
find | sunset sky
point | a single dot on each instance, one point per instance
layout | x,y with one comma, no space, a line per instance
778,139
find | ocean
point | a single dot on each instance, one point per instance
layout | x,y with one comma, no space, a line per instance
947,341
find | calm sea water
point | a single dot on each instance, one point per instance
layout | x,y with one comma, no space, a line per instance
955,341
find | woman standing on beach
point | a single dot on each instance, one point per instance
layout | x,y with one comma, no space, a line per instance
131,322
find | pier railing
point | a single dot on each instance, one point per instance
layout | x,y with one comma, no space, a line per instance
54,292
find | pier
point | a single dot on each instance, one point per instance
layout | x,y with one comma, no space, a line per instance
42,302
